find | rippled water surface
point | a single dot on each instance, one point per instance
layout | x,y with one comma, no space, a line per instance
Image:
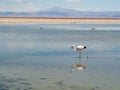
39,57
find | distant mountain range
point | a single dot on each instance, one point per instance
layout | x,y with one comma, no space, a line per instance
61,12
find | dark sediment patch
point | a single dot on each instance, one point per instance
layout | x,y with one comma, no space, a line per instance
25,83
7,83
10,80
4,87
43,78
2,77
21,79
60,83
93,89
30,88
73,87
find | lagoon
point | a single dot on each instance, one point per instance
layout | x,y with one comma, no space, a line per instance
34,58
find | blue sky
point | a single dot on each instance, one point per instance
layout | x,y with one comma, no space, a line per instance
36,5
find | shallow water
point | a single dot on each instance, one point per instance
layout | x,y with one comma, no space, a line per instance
34,58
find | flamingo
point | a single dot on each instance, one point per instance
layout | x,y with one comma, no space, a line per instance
41,27
79,48
93,28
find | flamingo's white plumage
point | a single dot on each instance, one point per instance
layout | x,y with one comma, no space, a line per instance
78,48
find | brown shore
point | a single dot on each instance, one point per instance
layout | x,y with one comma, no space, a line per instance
31,20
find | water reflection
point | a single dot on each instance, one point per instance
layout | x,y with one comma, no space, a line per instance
78,67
